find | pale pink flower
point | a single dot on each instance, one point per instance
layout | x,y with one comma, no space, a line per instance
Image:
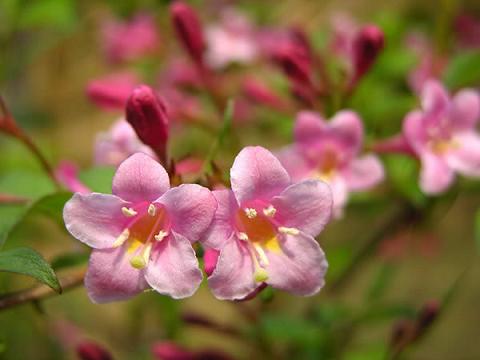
265,227
442,134
67,174
111,92
330,151
232,40
142,234
117,144
129,40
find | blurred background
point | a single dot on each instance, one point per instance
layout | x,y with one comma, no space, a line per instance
52,50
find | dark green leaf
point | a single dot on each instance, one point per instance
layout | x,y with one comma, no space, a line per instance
69,260
28,262
463,70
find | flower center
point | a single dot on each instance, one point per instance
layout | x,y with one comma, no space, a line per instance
148,224
442,146
257,226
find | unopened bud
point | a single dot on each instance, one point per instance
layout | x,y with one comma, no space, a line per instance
427,315
367,45
189,30
147,114
88,350
295,63
261,94
170,351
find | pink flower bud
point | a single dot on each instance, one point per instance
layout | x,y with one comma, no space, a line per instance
171,351
367,44
261,94
295,63
210,259
428,314
112,91
88,350
189,30
67,174
147,114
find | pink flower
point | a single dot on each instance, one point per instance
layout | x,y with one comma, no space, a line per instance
265,227
443,136
121,141
230,41
142,234
330,151
67,174
111,92
126,41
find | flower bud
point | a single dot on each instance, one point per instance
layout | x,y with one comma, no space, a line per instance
295,63
171,351
261,94
367,44
427,315
189,30
88,350
147,114
112,92
210,258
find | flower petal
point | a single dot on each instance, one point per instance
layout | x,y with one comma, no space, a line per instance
340,195
222,225
434,97
297,166
173,269
435,175
348,128
95,219
309,126
364,172
301,266
110,277
190,208
414,130
232,278
257,174
465,109
306,205
466,158
140,178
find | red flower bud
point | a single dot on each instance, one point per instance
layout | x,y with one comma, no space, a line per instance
368,43
189,30
295,63
261,94
427,315
112,92
147,114
88,350
171,351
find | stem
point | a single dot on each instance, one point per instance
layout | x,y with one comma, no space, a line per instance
40,292
405,215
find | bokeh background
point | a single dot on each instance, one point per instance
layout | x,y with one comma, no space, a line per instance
51,49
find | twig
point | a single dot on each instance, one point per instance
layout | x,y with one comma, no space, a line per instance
40,292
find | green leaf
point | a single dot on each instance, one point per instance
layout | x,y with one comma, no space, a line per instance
69,260
28,262
463,70
381,282
98,179
278,328
47,13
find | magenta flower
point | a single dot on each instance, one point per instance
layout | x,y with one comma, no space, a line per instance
443,136
265,227
117,144
129,40
142,234
330,151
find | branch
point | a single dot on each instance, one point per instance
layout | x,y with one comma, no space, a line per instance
40,292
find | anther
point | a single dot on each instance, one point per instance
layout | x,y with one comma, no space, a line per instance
260,275
270,211
161,235
128,212
288,230
243,236
122,238
140,261
152,210
250,212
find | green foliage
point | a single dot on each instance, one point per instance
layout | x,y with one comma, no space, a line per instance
69,260
28,262
463,70
98,179
47,13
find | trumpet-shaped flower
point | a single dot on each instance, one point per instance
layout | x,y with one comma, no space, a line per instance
142,234
443,136
329,151
265,227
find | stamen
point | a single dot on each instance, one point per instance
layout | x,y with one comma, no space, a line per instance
122,238
288,230
142,260
270,211
250,212
128,212
260,275
261,254
161,235
152,210
243,236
